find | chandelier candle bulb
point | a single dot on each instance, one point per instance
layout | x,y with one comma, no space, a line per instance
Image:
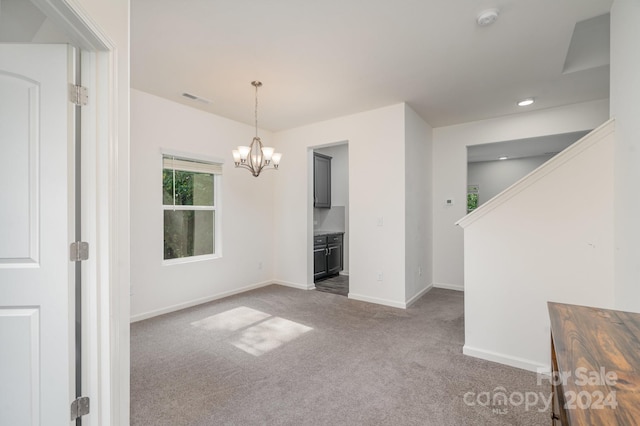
276,159
267,152
236,156
244,152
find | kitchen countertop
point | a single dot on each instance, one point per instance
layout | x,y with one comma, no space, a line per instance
319,233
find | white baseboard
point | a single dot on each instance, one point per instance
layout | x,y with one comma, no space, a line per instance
295,285
391,303
345,273
184,305
525,364
456,287
418,296
377,301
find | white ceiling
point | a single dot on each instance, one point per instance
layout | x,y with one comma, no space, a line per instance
324,59
321,60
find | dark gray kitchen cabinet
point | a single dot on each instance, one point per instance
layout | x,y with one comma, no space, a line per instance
319,257
321,181
327,255
334,254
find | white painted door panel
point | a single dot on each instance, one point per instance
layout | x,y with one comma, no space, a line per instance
36,217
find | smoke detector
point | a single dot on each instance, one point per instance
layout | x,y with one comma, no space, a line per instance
487,17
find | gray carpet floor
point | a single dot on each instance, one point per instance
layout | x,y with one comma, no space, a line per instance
281,356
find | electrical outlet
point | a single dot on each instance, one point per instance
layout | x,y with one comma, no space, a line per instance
259,265
419,271
380,221
380,276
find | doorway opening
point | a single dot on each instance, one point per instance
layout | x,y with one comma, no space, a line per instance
330,204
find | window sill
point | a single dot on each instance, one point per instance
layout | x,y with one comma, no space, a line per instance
190,259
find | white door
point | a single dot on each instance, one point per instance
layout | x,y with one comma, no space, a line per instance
37,341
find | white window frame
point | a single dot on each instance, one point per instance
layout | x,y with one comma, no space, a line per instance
214,166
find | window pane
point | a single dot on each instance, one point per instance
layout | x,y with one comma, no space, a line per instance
191,188
202,189
167,187
188,233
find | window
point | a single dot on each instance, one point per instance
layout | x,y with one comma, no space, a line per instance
191,211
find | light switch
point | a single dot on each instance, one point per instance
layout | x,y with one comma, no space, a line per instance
380,221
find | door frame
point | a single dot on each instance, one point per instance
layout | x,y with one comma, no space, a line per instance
310,207
105,319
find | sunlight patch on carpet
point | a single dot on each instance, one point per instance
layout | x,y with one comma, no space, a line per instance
255,332
232,320
268,335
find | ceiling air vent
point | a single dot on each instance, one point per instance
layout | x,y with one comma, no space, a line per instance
196,98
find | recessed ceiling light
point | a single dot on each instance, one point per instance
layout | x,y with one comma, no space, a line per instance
487,17
504,157
526,102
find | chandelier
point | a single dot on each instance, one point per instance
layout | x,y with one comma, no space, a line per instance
256,157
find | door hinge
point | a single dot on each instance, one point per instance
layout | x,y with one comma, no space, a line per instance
78,251
79,407
78,95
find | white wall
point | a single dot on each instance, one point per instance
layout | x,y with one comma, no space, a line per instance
247,209
547,238
418,214
450,163
495,176
339,191
284,230
376,140
625,92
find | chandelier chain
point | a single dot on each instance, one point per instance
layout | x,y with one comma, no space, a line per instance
256,111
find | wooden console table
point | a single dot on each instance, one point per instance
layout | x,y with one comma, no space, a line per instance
595,362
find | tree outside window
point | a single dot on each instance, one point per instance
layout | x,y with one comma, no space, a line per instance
189,209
